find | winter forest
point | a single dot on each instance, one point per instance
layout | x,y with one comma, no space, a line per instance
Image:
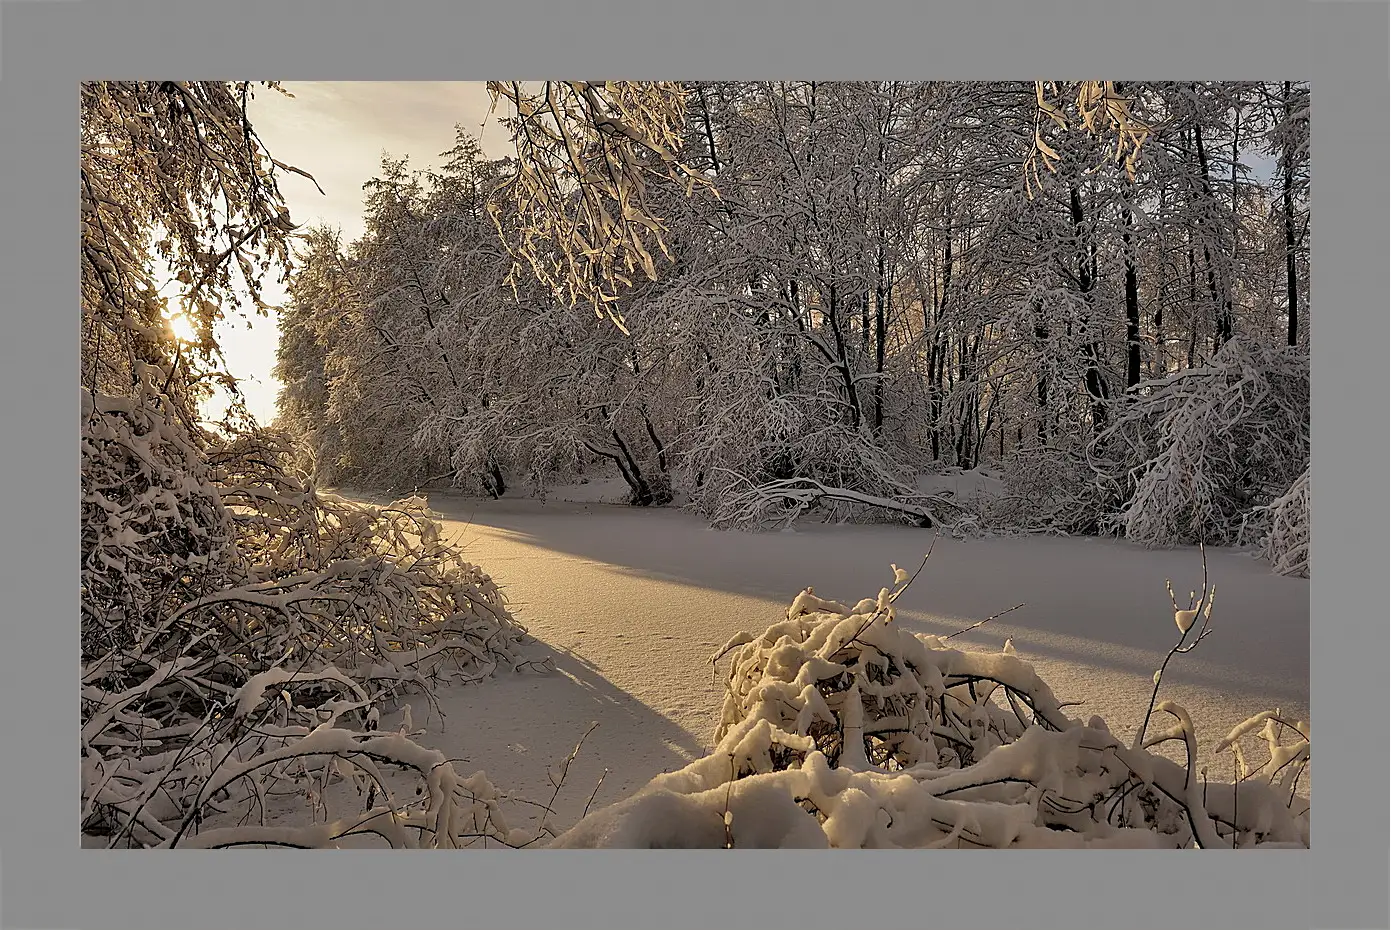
730,465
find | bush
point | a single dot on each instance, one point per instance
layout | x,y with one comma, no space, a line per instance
841,729
1282,529
1192,455
155,534
233,616
1048,490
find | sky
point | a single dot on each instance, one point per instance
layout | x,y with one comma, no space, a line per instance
337,131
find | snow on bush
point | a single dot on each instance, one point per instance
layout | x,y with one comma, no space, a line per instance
841,729
779,504
407,604
1282,528
1192,454
154,531
784,465
1047,490
233,617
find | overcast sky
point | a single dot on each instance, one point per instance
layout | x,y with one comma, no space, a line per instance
337,131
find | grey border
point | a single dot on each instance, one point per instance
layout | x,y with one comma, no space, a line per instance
48,47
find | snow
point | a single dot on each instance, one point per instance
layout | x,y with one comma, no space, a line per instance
607,490
633,603
965,486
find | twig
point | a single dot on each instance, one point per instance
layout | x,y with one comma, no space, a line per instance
914,577
893,597
1204,610
983,622
564,771
729,789
594,794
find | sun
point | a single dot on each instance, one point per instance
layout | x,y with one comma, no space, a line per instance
182,328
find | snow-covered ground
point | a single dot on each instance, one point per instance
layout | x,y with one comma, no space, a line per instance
632,603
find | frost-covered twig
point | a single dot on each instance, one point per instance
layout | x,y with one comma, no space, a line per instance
980,623
1184,619
559,782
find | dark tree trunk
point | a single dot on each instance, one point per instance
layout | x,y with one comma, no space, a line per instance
793,354
1132,296
880,326
709,128
642,495
938,349
882,291
1193,305
1132,280
1221,297
1097,389
1291,271
842,359
493,481
864,322
657,444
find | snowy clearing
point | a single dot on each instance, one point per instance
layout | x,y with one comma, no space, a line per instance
634,602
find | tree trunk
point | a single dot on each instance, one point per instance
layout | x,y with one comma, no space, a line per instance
880,325
843,359
881,289
1221,297
938,349
709,129
1132,285
1287,199
1097,389
656,442
1132,294
1192,303
864,322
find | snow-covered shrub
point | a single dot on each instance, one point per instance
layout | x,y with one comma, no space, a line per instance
1192,454
396,596
1282,529
233,616
841,729
154,531
1047,491
771,461
215,777
778,504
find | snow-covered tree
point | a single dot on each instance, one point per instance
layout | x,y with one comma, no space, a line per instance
170,170
825,286
210,571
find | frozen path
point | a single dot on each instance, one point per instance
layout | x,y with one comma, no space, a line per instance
634,602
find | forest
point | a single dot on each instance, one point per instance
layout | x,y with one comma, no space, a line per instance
771,305
869,282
